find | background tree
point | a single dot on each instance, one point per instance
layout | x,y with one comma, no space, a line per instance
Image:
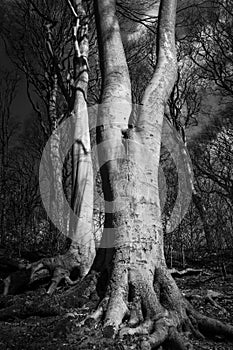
8,128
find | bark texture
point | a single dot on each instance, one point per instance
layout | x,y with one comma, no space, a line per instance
140,288
81,227
56,188
133,231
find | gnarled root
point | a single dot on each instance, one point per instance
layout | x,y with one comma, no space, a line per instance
61,266
135,304
209,326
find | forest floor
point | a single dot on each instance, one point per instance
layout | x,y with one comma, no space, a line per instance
53,327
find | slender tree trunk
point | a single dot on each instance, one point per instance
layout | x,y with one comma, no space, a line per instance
81,252
5,115
3,200
197,200
188,183
81,227
56,189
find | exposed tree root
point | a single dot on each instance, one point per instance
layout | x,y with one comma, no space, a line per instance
45,305
74,296
175,341
156,310
209,326
20,280
135,304
98,314
209,298
58,267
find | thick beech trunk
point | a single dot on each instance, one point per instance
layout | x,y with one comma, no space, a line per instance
140,286
130,172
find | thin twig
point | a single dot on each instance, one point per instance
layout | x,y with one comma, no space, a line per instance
72,9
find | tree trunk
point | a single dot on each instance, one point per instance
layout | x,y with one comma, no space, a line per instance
81,252
81,226
129,160
139,286
56,188
203,215
188,181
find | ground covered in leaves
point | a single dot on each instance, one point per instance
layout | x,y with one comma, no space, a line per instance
56,325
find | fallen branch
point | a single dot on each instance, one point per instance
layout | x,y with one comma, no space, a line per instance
209,297
186,272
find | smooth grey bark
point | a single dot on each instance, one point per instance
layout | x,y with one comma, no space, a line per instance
82,248
132,243
136,230
56,188
83,245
